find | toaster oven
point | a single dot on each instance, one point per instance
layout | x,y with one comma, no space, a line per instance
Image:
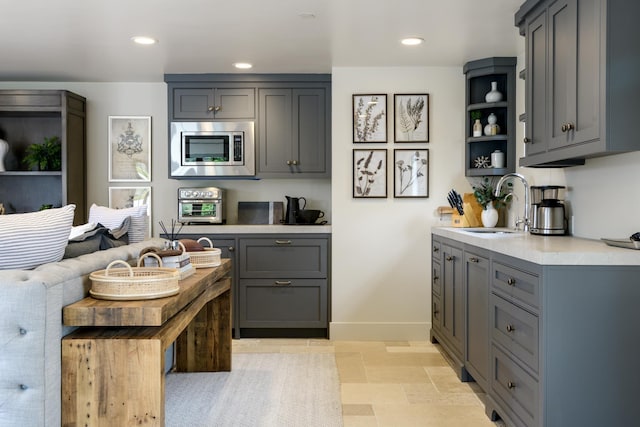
201,206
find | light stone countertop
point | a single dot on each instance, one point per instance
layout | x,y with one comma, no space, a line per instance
546,250
255,229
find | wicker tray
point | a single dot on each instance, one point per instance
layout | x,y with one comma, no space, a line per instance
210,257
134,283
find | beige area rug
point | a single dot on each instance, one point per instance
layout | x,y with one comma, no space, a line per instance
263,390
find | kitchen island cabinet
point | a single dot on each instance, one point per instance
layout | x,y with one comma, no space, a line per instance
581,91
281,281
551,302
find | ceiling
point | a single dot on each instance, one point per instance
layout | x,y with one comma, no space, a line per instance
71,40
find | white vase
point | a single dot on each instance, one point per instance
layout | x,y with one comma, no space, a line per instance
494,95
492,128
477,128
489,216
4,149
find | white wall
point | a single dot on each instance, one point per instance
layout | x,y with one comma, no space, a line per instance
150,99
381,247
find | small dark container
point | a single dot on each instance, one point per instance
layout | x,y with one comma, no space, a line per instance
308,216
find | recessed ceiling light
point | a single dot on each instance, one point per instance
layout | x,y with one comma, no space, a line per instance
242,65
307,15
144,40
412,41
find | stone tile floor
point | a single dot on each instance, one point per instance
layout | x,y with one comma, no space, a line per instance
391,384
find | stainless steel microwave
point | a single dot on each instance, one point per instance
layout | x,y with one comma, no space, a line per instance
212,149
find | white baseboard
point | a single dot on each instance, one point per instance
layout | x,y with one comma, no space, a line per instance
367,331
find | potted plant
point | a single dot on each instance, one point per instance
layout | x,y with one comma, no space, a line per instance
484,193
46,156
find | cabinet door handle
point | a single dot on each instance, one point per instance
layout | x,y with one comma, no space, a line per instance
283,242
510,328
511,385
282,282
474,259
526,140
511,281
436,249
211,108
231,249
449,258
435,279
567,127
288,162
294,162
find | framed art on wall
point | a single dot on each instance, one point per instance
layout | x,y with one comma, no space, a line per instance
129,148
370,173
411,117
411,173
369,118
130,197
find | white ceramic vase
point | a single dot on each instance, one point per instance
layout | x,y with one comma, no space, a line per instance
489,216
493,95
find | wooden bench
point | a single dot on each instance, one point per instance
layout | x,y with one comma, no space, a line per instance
113,365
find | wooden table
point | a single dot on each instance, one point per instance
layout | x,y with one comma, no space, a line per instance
113,369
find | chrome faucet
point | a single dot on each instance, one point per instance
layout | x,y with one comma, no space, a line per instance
527,205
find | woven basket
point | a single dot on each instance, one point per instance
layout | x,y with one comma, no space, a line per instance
210,257
134,283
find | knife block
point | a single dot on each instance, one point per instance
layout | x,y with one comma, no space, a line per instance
472,213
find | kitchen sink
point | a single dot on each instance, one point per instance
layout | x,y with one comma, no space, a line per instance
491,230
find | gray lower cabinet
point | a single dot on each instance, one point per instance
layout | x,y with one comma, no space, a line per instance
448,298
294,134
580,102
281,283
284,283
476,294
562,340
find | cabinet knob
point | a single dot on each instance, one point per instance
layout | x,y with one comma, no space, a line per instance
288,162
435,279
295,162
210,109
436,249
567,127
474,259
526,140
282,282
511,385
231,249
511,281
217,108
510,328
449,258
283,242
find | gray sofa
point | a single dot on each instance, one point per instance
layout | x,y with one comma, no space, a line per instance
31,329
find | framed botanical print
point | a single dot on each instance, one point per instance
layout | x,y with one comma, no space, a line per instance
369,118
411,117
370,173
129,148
411,173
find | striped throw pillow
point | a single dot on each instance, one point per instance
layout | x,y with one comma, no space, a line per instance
112,219
30,239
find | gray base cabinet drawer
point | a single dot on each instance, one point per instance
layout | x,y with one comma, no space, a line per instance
517,284
517,390
283,257
516,330
283,303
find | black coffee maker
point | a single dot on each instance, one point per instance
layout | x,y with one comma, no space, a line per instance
293,206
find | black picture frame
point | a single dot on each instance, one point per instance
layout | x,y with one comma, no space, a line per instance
369,118
370,173
411,173
411,117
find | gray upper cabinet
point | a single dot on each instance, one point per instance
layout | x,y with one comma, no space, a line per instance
27,117
294,135
213,103
581,90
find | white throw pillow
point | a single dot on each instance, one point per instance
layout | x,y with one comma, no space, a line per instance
112,219
30,239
